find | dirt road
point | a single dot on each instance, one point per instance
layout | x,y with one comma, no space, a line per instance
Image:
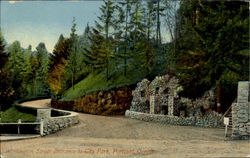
100,136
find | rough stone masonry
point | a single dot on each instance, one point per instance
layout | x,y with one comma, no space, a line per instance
158,101
54,124
241,112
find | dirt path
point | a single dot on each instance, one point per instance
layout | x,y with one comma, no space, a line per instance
100,136
37,103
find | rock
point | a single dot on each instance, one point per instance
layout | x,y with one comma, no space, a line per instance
109,102
109,96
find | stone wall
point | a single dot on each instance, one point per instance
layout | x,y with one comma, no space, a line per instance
159,101
54,124
43,113
211,119
241,112
161,96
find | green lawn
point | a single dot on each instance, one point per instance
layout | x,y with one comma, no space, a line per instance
12,115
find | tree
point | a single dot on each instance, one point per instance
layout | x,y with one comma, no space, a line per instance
122,23
171,17
84,40
6,91
43,63
107,21
83,43
158,30
98,54
57,64
17,67
137,18
150,18
212,45
29,75
148,58
94,55
72,65
3,55
32,72
171,20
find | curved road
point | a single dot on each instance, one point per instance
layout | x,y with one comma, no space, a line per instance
102,136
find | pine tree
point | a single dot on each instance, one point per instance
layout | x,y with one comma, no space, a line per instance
98,54
150,18
42,56
122,23
32,73
107,22
170,20
72,65
137,18
16,66
212,45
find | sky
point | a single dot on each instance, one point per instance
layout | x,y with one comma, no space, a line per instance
32,22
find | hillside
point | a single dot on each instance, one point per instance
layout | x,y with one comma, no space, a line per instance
96,81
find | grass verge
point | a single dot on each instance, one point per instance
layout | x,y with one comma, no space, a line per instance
12,115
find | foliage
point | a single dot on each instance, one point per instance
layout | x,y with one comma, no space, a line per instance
30,75
112,50
112,102
96,82
99,54
3,55
212,45
23,74
72,66
106,21
57,64
43,63
16,68
6,91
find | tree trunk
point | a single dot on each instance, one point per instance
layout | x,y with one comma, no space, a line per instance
219,98
106,42
33,87
107,72
158,24
125,66
126,36
148,27
72,81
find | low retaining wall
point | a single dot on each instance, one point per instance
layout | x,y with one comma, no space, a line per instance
52,124
212,120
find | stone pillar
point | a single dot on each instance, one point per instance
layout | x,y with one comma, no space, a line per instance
241,113
152,104
171,105
43,113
